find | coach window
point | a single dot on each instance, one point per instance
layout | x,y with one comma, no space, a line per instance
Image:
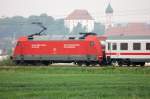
123,46
147,46
136,46
109,45
114,46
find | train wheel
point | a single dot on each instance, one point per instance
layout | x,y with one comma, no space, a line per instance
79,64
128,64
142,64
120,63
94,64
134,64
87,64
45,63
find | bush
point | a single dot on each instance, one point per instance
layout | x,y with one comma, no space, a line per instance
7,62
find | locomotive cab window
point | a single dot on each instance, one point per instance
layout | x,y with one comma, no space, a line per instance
123,46
136,46
147,46
114,46
18,44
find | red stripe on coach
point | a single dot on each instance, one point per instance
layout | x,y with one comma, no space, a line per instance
134,53
127,53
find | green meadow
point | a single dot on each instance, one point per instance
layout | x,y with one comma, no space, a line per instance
68,82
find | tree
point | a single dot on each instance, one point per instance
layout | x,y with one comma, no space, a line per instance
99,29
78,29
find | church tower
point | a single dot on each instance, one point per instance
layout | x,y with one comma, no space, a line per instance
109,13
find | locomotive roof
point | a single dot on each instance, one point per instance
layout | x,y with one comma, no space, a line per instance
135,37
56,37
62,37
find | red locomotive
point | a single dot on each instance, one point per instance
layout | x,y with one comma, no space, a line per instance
84,50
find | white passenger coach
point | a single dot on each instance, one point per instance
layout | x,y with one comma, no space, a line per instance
128,50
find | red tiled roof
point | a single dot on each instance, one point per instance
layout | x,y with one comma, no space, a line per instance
129,29
79,15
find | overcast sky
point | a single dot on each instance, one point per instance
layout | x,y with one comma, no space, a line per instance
124,10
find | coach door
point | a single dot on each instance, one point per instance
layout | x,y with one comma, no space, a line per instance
108,51
114,50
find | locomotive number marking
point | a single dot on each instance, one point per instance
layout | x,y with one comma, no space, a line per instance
38,45
71,45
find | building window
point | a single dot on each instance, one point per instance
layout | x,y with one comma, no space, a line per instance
136,46
123,46
147,46
114,46
109,45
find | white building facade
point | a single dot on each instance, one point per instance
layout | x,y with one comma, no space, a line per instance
80,17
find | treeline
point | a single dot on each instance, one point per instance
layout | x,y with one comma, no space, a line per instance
19,26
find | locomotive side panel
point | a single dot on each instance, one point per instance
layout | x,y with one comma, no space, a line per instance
58,51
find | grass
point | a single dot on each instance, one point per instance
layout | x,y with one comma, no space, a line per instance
74,82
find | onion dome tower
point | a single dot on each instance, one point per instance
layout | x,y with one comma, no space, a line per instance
109,13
